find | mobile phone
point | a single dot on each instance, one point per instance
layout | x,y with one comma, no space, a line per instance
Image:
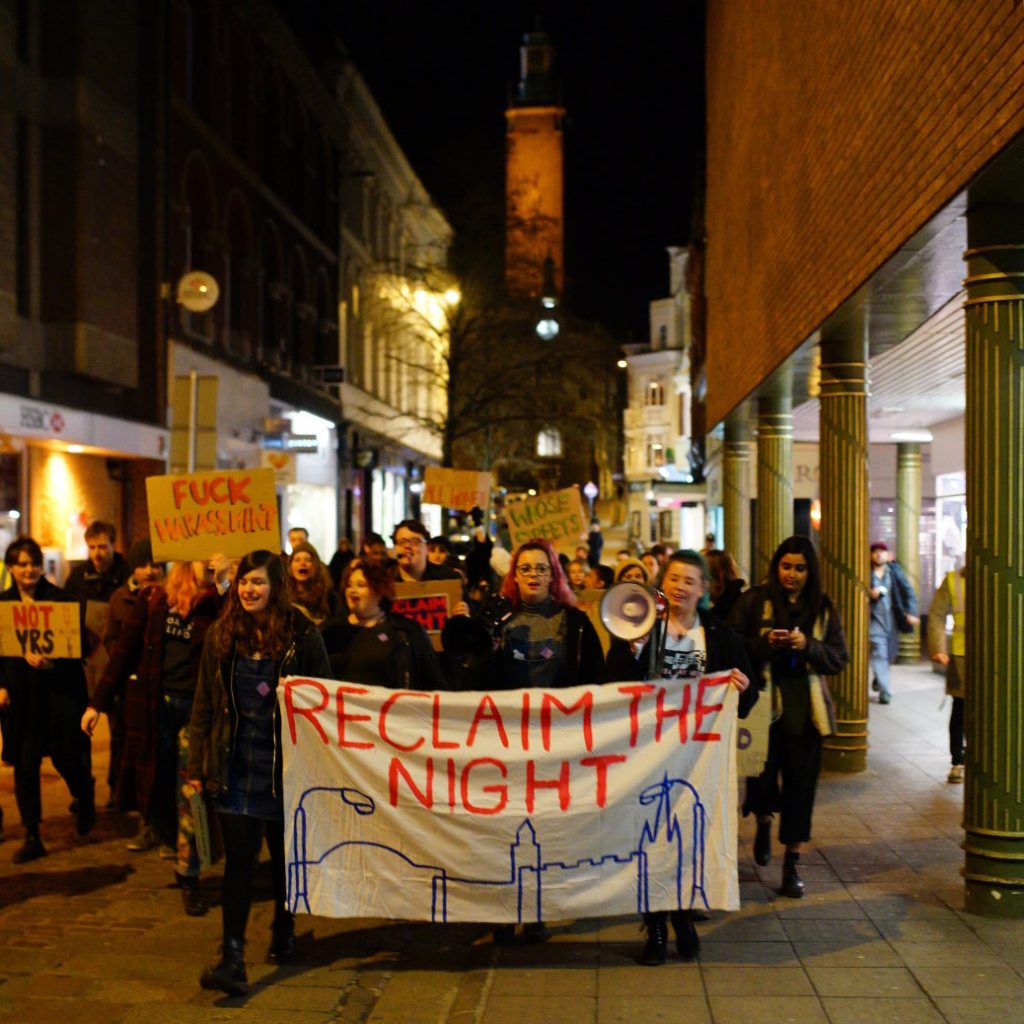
779,634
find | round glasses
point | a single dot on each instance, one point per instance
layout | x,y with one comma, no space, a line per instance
534,570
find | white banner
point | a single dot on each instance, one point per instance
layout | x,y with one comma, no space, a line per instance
518,805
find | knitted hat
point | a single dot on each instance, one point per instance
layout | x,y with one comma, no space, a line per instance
140,553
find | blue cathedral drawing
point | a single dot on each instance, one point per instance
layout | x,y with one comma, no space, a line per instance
665,847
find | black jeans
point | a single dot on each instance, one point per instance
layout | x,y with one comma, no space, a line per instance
797,759
242,837
68,755
956,731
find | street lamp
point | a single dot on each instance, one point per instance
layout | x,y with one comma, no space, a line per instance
590,493
547,327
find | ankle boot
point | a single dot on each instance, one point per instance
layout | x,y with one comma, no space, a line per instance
282,940
31,849
85,812
656,950
228,975
763,843
792,886
191,895
687,939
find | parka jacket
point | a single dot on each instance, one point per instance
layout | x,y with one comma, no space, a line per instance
138,651
214,721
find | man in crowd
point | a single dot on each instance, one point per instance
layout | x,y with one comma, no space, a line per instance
893,611
412,564
297,535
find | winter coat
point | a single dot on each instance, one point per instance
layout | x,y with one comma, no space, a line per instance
46,703
725,651
411,662
213,723
139,651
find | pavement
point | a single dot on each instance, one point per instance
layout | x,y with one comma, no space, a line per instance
93,934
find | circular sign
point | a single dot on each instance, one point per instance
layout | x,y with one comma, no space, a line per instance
590,490
198,291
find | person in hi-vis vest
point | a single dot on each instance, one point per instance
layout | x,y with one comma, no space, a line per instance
950,599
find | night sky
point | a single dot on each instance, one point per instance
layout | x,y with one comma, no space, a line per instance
631,81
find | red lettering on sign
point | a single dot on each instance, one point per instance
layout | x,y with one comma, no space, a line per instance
487,710
533,784
586,702
500,789
339,696
601,765
424,796
310,714
440,744
636,693
662,714
385,708
702,710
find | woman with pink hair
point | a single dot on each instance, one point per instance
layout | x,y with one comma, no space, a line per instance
546,640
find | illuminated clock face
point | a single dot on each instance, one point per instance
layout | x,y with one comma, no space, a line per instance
547,329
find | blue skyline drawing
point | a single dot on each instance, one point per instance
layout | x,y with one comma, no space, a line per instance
661,834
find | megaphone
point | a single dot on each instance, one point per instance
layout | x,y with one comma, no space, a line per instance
629,611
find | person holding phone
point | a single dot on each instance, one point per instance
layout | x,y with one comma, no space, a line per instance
794,637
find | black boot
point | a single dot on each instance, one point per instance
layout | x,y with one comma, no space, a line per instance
282,940
763,843
687,939
31,849
656,950
229,974
791,884
535,932
85,811
191,895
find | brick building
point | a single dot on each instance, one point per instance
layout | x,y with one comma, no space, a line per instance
862,161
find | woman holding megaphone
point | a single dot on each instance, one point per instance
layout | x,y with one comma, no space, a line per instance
691,643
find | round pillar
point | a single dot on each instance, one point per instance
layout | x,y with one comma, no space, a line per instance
843,460
774,472
994,705
736,491
908,547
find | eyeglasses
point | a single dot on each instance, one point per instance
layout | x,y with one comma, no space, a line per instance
410,542
534,570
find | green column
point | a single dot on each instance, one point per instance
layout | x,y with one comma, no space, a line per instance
774,471
736,490
908,548
843,486
994,785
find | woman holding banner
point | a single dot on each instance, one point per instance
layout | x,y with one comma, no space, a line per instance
794,637
159,646
696,643
235,746
371,644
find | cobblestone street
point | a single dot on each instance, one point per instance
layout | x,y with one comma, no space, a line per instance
96,934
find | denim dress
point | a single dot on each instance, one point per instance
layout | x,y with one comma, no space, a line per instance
251,773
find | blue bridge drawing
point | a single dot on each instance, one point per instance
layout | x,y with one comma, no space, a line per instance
661,842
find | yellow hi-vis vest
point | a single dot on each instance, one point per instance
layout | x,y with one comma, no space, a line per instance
955,584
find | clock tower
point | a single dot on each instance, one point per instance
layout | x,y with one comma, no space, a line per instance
534,218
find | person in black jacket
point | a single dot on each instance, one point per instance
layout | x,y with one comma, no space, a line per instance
235,746
794,638
697,643
725,583
371,644
41,703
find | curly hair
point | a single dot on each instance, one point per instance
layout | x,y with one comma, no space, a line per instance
378,579
560,591
235,627
184,591
313,593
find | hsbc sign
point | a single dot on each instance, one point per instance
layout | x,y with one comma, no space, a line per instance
35,418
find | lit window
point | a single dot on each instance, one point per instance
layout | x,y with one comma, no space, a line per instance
654,393
549,443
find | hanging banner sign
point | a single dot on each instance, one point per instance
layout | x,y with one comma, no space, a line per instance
556,516
430,604
49,628
193,516
518,805
464,489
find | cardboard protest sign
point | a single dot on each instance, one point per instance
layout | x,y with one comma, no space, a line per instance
49,628
430,604
752,735
463,489
589,602
517,805
556,516
195,515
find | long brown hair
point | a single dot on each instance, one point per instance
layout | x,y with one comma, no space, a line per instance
311,593
184,591
235,627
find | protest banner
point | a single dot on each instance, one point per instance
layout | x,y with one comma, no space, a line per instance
195,515
556,516
464,489
430,604
49,628
517,805
752,736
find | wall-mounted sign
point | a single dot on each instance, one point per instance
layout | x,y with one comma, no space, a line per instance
198,291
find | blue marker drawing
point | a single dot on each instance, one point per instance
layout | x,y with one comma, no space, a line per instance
661,838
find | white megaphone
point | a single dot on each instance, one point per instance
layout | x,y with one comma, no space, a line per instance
629,611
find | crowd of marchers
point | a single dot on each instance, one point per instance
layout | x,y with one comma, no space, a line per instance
185,659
